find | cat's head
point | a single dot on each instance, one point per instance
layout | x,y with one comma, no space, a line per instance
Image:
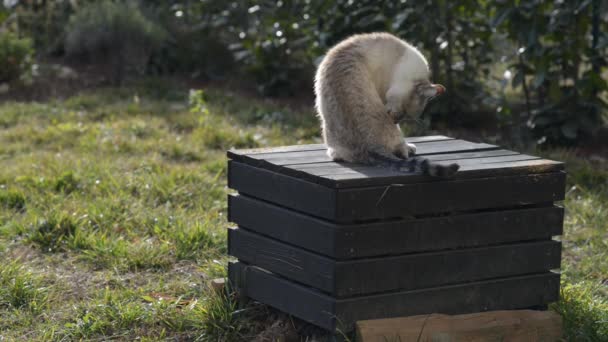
416,100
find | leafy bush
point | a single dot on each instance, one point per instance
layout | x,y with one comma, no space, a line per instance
561,53
43,21
196,45
555,51
275,49
15,57
117,34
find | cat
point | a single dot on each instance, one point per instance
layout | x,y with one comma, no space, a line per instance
365,87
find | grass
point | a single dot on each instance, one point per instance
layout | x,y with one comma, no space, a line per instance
113,217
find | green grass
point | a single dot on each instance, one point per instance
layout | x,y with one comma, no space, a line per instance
584,304
113,206
113,216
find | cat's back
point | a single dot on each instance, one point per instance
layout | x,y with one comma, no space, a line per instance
373,51
362,60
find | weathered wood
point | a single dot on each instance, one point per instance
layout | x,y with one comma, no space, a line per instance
310,147
311,163
448,196
347,241
313,198
330,313
323,167
404,272
335,242
510,325
273,160
395,200
374,176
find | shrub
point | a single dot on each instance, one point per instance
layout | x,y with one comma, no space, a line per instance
115,34
196,46
15,57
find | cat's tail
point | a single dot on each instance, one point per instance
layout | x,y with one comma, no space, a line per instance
437,170
420,164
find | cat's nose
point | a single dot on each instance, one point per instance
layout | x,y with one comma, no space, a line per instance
439,88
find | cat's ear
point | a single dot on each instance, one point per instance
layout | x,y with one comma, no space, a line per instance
433,90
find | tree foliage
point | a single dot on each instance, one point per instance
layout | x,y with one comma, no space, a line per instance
551,54
116,32
554,52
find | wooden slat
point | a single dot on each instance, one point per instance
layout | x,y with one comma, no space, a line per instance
324,169
506,325
448,196
303,302
433,157
381,274
330,313
315,166
383,176
347,241
291,192
236,154
395,200
286,225
316,156
294,263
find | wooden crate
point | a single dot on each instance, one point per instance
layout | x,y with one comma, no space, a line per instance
334,243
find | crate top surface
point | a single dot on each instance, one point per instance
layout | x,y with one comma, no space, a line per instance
476,160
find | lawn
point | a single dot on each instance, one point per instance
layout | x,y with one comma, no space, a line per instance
113,206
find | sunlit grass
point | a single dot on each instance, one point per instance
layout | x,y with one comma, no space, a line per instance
117,199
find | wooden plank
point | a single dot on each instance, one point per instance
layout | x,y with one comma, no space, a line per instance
417,271
303,302
343,175
434,157
312,198
347,241
315,156
351,204
506,325
383,176
499,294
310,163
447,196
404,272
283,224
326,311
237,154
294,263
323,169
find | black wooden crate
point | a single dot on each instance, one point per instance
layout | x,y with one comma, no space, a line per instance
333,243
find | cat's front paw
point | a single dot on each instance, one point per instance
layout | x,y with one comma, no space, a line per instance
393,111
411,148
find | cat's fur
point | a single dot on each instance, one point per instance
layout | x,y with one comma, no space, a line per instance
365,86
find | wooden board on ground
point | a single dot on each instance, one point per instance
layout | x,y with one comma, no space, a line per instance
513,325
